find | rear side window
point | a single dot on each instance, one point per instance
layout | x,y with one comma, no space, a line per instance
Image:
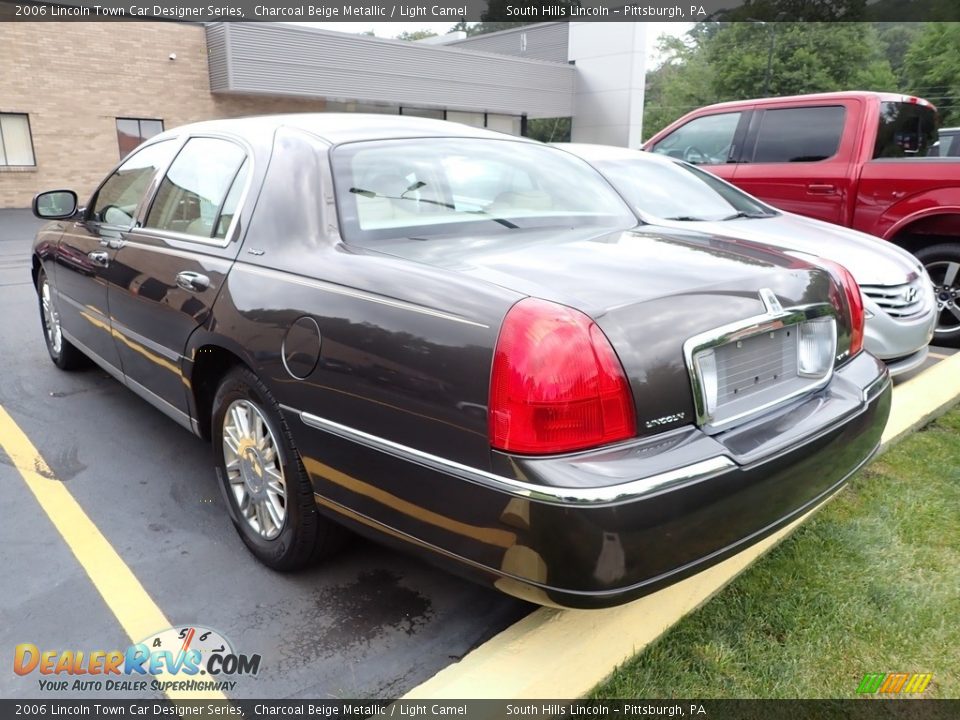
192,196
799,134
907,130
703,141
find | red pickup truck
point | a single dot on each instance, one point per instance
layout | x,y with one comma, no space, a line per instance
865,160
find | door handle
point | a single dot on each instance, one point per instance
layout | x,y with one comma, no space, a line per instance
821,189
99,257
192,281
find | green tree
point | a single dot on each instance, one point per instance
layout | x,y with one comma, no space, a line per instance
751,59
416,35
683,82
932,68
716,62
897,39
549,129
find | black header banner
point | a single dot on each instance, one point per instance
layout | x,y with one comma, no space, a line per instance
454,11
876,709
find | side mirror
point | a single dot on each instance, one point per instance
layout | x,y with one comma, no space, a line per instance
55,204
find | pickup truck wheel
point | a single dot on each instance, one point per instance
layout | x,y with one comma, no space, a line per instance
63,353
943,265
270,495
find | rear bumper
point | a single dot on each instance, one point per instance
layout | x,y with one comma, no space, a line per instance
602,527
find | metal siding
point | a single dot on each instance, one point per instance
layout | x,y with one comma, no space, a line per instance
217,56
288,60
548,41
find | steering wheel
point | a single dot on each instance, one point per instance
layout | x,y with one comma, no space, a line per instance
695,155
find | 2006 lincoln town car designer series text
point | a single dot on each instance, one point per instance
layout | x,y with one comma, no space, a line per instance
460,342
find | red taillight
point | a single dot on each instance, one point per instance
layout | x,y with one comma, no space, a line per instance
854,301
556,384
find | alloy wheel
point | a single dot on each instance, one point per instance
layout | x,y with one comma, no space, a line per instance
51,318
254,469
946,286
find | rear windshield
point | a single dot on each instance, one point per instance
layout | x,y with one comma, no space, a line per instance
906,130
442,186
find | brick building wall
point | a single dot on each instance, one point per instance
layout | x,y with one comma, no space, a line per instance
74,80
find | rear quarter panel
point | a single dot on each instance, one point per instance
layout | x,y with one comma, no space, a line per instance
404,349
894,194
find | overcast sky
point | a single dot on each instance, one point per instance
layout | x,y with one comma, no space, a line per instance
392,29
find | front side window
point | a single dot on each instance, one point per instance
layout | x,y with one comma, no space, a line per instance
703,141
16,143
192,195
132,132
906,130
116,202
805,134
437,186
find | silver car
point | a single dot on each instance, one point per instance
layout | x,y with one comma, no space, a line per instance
898,294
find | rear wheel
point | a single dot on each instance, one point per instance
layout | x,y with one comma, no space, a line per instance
263,478
943,264
63,353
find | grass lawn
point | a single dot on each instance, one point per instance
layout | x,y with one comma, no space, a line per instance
871,584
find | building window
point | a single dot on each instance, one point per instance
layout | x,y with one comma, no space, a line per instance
133,131
16,143
422,112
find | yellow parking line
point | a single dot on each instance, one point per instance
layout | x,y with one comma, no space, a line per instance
135,610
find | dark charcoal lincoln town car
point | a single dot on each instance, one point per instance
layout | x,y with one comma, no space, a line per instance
460,342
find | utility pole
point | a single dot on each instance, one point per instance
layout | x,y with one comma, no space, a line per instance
773,45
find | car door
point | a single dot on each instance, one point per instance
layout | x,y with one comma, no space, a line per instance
88,248
713,141
176,260
797,159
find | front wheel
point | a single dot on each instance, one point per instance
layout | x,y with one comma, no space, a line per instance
943,265
270,495
63,353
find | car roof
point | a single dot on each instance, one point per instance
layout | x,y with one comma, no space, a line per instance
338,128
842,95
595,153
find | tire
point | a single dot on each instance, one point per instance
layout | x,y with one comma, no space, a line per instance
270,495
64,354
943,264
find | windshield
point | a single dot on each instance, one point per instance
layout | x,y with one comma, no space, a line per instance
906,130
676,191
442,186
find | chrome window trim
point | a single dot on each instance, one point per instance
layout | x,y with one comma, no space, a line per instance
593,497
774,319
151,197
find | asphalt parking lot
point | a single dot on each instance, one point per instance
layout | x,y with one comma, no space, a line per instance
371,623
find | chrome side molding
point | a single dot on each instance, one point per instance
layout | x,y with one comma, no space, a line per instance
597,496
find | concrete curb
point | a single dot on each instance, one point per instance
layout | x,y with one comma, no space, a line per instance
566,653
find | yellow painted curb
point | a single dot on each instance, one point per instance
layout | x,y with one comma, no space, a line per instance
566,653
923,398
